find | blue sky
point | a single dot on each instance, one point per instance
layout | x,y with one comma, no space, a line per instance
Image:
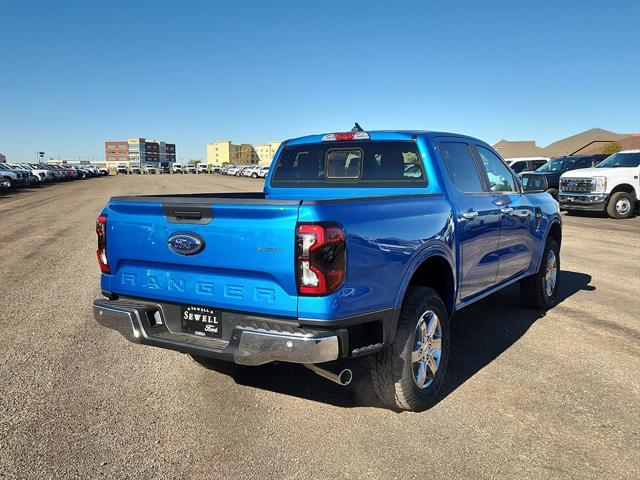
76,73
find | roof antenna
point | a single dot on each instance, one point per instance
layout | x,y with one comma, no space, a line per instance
357,128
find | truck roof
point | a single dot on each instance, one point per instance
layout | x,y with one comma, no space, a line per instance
400,135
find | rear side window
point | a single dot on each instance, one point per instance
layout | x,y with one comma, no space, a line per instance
350,164
461,166
583,163
519,166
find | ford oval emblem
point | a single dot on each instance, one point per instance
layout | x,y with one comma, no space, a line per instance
185,243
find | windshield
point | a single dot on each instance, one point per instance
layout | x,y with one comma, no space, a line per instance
557,165
621,160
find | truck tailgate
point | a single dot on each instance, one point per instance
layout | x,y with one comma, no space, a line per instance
247,263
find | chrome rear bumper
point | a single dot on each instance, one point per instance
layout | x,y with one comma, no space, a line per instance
248,344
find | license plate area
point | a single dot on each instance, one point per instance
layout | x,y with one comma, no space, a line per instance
201,321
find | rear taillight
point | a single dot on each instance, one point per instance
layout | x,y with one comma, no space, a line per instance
320,258
101,253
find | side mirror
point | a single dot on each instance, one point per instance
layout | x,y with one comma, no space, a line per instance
533,183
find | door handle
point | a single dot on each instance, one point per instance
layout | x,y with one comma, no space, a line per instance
469,215
506,210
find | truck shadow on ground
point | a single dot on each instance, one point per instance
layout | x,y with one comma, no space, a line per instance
480,333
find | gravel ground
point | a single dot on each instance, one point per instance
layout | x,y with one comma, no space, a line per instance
528,395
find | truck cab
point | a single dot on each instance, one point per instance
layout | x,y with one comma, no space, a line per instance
360,244
612,186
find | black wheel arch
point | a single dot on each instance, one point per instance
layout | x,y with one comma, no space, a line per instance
625,187
435,271
555,232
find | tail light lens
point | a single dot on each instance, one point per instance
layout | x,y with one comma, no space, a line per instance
101,253
320,258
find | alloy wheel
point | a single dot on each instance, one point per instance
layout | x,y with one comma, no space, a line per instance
551,274
427,349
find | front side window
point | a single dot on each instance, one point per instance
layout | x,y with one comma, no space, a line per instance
499,176
461,166
350,164
538,163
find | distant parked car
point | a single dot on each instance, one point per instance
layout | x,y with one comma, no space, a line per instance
150,170
22,167
38,176
104,171
526,164
80,172
164,168
251,171
203,168
263,171
52,173
16,178
229,169
122,170
135,170
91,170
215,168
557,166
190,169
176,168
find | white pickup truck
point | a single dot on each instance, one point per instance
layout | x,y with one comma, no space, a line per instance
612,186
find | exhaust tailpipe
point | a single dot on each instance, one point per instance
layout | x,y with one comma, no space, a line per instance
343,377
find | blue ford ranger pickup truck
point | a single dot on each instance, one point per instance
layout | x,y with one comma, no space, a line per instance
362,243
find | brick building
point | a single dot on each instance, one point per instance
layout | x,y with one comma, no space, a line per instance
139,151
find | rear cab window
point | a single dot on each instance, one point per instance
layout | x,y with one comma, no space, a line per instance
353,164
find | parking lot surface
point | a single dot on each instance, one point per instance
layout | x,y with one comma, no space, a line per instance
528,394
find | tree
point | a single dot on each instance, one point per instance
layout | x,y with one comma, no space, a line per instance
611,148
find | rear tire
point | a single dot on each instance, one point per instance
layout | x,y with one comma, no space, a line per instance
403,373
620,205
540,290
